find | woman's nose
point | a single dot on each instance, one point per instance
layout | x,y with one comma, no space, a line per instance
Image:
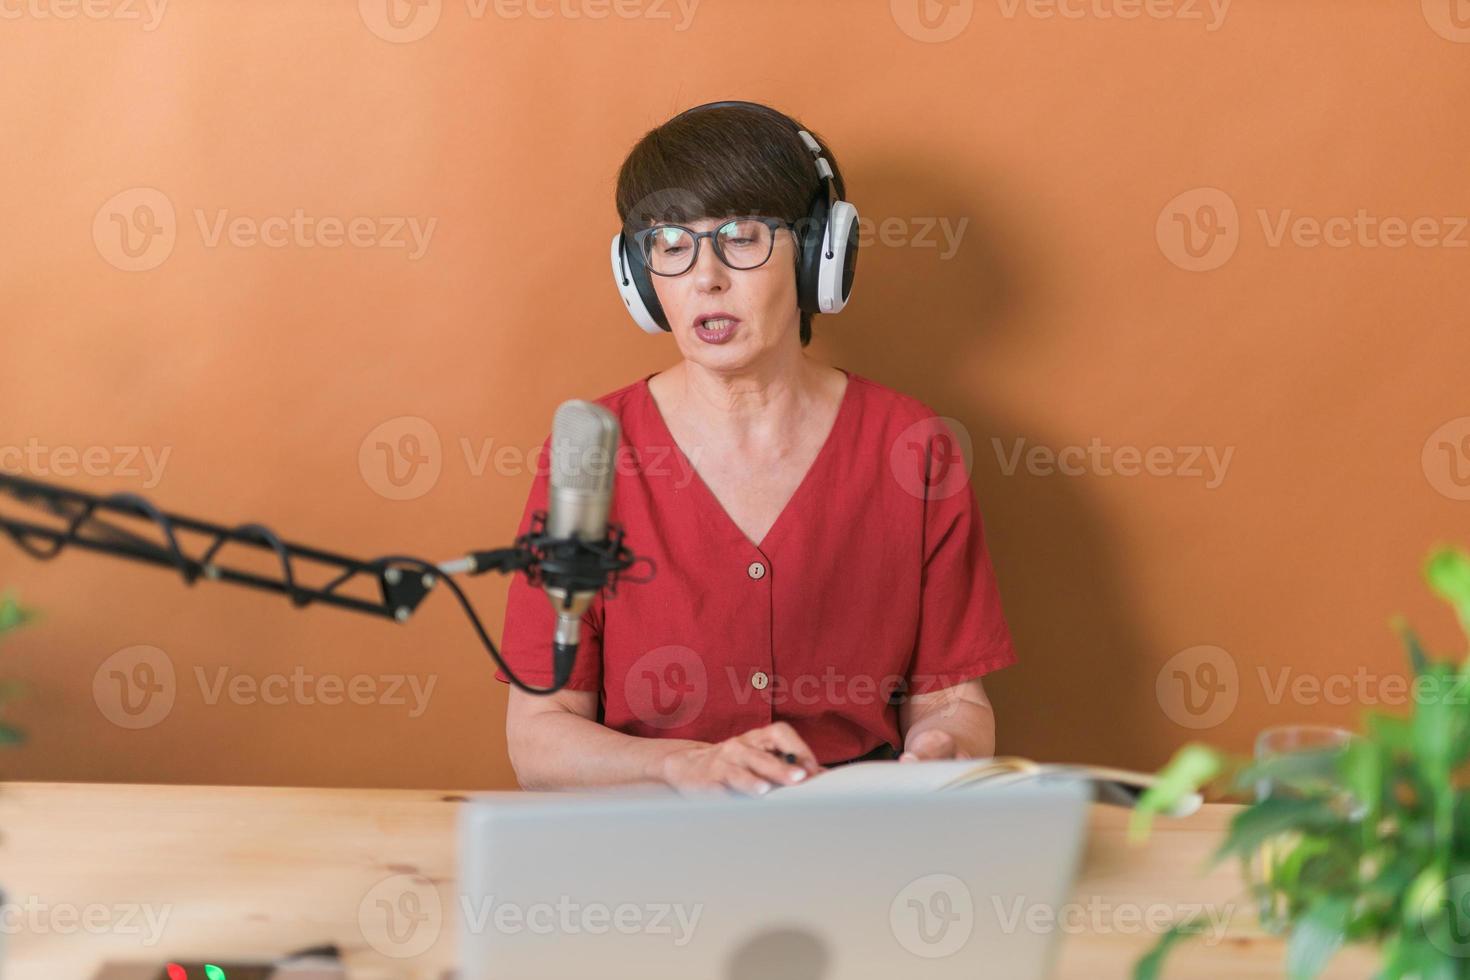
710,274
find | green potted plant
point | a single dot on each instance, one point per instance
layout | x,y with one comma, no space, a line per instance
1367,842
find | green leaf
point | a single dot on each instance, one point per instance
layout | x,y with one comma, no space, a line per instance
10,735
1393,732
1151,963
1394,877
1273,816
1418,657
1425,895
1413,956
1448,572
12,615
1317,936
1362,767
1192,767
1435,722
1286,873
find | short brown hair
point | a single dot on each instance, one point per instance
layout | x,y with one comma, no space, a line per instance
724,160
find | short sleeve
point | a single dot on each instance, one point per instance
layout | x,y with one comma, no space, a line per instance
530,621
962,632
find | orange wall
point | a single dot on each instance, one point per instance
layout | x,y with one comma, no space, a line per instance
1070,310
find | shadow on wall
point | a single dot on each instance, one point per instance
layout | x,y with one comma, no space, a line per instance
1075,626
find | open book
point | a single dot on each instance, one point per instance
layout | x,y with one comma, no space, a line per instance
1119,787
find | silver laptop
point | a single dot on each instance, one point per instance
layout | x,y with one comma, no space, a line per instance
940,885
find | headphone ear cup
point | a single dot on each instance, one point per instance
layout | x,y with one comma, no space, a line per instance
838,272
636,288
813,240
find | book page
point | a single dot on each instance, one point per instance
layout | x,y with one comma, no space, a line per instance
858,778
1120,787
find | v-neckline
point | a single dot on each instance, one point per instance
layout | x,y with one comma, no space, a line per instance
714,502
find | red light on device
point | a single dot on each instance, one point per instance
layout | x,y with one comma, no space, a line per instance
176,972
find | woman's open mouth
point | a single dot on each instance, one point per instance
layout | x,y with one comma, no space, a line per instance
716,329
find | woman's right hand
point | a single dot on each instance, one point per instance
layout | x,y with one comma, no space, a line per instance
743,764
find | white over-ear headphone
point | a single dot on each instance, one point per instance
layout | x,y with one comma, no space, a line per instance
828,241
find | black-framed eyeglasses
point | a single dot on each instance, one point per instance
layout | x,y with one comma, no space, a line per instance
741,243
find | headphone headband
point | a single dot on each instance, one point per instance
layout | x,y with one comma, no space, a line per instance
825,175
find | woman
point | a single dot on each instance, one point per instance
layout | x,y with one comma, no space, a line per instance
823,590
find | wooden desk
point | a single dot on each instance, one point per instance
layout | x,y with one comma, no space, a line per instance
248,872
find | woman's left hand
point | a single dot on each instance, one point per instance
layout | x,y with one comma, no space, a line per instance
931,744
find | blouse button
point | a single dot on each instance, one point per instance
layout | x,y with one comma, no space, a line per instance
756,570
760,680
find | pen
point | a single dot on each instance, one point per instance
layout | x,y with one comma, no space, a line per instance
790,757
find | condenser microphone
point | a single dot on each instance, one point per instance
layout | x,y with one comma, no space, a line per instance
584,440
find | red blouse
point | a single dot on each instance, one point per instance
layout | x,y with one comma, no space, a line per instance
874,579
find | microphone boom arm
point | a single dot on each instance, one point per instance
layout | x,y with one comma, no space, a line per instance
401,594
403,581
